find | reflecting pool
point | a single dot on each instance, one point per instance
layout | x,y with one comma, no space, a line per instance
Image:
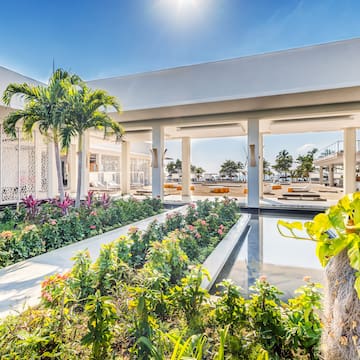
263,251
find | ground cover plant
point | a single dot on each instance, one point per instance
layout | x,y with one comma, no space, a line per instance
36,228
142,299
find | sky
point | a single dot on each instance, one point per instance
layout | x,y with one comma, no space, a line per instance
98,39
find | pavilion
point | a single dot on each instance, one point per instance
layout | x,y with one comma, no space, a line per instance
309,89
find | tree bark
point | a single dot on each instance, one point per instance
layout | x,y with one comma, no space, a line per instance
341,334
80,166
58,169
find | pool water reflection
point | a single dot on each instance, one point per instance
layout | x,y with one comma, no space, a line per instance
263,251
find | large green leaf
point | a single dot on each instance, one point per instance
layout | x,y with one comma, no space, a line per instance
354,252
357,284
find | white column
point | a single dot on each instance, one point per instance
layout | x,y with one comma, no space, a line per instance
85,169
185,168
157,161
253,163
321,175
125,168
52,173
261,165
349,160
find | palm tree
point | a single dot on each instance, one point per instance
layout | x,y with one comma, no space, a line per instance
283,162
42,108
198,172
84,109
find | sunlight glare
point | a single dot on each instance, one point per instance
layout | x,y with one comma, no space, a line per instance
183,12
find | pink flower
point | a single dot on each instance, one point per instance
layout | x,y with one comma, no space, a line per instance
47,296
93,213
192,205
263,278
203,222
92,227
53,222
191,227
221,226
197,235
220,232
307,278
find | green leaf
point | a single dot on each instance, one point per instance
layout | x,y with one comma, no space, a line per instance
340,243
354,252
323,253
357,284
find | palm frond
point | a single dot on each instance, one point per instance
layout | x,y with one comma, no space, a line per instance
25,91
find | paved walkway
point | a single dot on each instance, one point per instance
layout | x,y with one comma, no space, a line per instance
20,284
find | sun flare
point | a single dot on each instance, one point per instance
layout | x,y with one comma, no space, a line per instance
179,10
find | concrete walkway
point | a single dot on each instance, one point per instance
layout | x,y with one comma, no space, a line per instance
20,284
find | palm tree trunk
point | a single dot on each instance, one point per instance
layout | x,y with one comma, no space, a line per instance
342,311
80,166
58,169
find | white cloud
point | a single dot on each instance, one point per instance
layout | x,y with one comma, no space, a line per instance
305,148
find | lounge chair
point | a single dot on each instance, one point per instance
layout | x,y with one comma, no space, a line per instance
267,188
305,188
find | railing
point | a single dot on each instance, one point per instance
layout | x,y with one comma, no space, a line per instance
334,149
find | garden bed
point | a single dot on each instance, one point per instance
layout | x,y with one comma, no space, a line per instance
37,228
142,299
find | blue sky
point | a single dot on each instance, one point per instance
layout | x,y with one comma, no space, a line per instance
107,38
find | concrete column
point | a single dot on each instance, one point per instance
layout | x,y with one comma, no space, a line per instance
321,175
158,161
85,169
125,168
349,160
253,163
52,173
261,168
185,168
331,174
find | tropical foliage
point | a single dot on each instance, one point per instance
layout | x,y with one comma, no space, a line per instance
230,168
83,109
156,308
336,233
175,167
305,163
43,108
37,228
283,162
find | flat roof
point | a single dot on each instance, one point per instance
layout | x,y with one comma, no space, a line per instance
327,66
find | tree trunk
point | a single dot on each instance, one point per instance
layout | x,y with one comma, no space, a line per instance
342,311
80,166
59,169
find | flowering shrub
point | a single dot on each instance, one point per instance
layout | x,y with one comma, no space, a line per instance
55,224
31,205
96,314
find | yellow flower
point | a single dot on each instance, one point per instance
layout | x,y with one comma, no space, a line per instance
29,228
6,235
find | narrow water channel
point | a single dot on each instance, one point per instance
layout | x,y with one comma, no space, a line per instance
263,251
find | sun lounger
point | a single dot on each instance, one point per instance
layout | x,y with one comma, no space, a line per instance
305,188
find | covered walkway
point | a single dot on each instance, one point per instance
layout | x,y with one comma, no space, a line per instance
311,89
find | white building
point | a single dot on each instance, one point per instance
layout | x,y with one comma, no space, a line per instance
315,88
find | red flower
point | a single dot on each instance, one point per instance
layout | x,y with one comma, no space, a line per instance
92,227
